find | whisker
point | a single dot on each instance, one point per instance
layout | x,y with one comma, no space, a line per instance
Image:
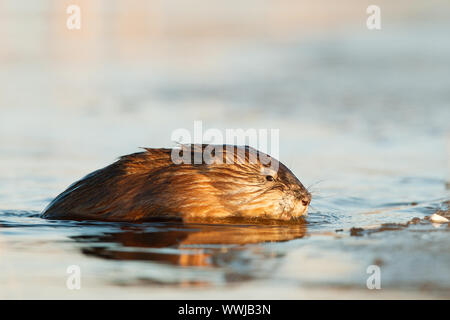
314,192
315,183
327,196
256,196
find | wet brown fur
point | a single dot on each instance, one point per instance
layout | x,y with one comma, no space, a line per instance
149,184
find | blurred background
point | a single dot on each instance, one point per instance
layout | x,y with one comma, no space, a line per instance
138,70
363,114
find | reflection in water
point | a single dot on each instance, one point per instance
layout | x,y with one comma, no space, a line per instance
237,249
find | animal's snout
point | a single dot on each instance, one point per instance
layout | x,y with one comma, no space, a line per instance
306,202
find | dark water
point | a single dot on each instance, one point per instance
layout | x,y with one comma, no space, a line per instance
313,259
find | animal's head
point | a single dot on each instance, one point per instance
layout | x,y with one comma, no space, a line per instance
246,182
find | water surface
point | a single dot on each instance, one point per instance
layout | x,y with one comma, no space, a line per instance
364,123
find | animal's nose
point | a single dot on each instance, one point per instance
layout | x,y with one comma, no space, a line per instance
306,202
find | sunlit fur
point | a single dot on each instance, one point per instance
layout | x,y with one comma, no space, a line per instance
149,185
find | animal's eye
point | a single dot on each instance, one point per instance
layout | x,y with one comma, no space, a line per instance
269,178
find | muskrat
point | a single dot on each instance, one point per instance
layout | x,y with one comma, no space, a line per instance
150,184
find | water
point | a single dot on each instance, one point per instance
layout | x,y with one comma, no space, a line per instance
363,119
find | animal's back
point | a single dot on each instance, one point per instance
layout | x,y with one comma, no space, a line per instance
111,193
